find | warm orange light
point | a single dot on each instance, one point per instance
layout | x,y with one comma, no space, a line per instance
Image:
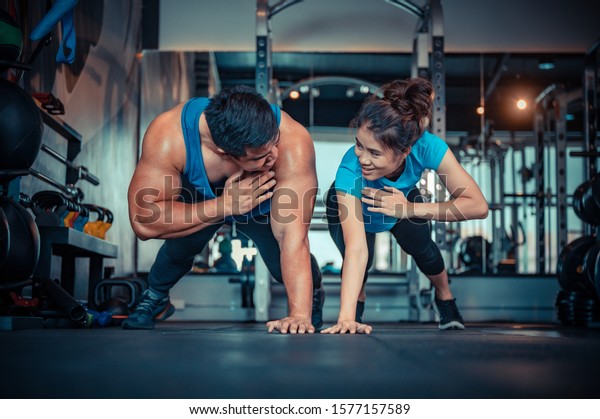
521,104
480,110
294,94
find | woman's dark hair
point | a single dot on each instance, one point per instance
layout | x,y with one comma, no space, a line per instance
397,119
239,118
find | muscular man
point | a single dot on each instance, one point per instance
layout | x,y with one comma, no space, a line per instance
245,160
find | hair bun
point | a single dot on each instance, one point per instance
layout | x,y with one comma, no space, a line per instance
420,94
395,92
412,98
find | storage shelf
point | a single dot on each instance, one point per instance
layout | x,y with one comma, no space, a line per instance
70,244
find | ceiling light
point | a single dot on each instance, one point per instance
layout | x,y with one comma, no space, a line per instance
480,110
521,104
294,94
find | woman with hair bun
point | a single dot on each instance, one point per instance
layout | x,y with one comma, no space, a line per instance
375,190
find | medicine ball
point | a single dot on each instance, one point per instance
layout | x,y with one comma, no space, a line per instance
23,242
11,39
21,128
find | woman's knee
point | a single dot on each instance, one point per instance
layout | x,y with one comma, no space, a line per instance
430,260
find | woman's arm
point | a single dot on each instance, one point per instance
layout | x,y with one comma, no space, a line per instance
354,266
467,201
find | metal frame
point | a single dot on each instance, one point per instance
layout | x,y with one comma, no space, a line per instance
429,36
265,86
560,142
264,67
590,113
438,123
591,79
330,80
550,126
264,52
590,99
430,29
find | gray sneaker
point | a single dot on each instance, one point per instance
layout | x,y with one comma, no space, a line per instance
151,308
450,318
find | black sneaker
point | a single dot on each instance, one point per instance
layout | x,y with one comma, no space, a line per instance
317,307
151,308
450,318
360,309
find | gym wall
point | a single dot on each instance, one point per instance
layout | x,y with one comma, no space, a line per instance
100,94
167,79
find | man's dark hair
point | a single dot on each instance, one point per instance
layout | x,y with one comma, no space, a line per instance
239,118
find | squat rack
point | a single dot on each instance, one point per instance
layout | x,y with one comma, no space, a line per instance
428,62
550,127
591,92
429,37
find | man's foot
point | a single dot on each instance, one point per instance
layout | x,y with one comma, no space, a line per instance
360,309
317,307
450,318
151,308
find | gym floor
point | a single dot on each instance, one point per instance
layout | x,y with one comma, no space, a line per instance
240,360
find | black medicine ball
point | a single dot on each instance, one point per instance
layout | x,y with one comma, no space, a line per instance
21,128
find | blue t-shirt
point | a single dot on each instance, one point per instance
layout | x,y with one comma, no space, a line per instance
194,170
427,153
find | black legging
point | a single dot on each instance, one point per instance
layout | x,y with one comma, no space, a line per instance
413,235
175,257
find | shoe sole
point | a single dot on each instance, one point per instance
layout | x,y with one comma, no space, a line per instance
453,325
163,315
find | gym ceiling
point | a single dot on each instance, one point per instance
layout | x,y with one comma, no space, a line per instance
372,40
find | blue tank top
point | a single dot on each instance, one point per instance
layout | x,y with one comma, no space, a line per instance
427,153
194,170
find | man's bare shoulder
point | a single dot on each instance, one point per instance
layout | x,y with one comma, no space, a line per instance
294,137
296,150
163,141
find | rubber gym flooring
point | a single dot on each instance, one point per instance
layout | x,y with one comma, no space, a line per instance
202,360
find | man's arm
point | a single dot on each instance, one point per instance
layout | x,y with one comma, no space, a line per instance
154,211
291,213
